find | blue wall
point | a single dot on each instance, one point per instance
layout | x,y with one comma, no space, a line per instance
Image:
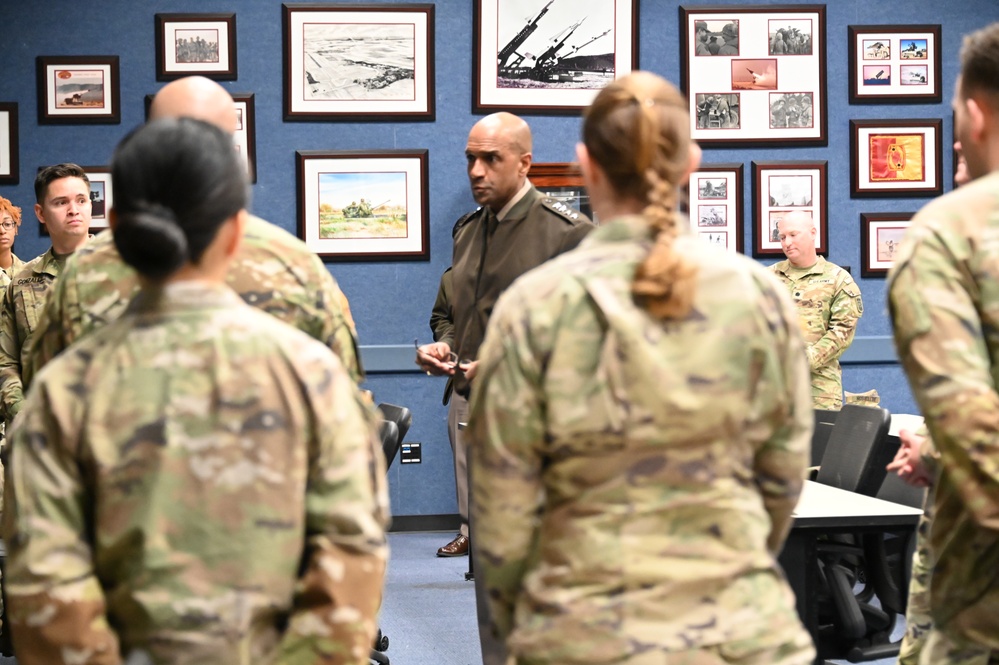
391,301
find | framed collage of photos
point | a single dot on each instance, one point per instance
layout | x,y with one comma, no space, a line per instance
562,181
75,89
782,188
9,169
549,57
896,158
715,205
364,205
894,64
880,237
202,44
755,75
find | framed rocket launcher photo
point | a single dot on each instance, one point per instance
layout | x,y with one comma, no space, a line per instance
896,158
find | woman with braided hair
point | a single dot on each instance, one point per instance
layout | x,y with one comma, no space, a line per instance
640,426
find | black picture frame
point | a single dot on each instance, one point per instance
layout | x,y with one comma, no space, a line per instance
10,173
880,235
884,68
196,44
92,98
916,141
807,186
715,193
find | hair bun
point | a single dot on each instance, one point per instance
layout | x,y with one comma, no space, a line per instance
150,240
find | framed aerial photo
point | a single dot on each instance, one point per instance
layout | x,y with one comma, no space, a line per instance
754,75
9,171
894,64
358,62
364,205
715,205
781,188
540,56
880,237
896,158
75,89
203,44
245,136
562,181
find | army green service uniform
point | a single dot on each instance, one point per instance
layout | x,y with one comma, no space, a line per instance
944,300
829,306
199,482
633,479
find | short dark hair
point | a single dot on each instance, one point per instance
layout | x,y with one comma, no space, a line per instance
50,174
980,62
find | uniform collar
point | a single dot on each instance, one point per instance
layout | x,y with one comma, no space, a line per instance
506,210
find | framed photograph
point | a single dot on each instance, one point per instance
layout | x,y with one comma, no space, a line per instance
715,205
203,44
562,181
896,158
880,237
892,64
540,56
9,172
358,62
245,136
780,188
77,89
364,205
755,75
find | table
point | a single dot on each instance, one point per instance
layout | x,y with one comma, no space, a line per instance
824,510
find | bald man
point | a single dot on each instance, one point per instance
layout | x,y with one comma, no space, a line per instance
276,272
828,302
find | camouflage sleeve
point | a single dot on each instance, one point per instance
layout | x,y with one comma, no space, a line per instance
338,330
844,312
338,594
54,332
939,336
783,402
506,433
55,603
11,392
441,317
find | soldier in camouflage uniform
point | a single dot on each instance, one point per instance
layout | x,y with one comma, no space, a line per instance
10,222
275,272
945,310
828,302
640,424
62,193
196,482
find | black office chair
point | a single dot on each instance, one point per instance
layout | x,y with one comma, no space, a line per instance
824,422
857,452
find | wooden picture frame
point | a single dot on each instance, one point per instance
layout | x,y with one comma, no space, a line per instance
715,205
10,173
338,215
562,181
245,136
201,44
781,187
881,233
358,62
519,67
101,196
755,75
894,64
77,89
896,158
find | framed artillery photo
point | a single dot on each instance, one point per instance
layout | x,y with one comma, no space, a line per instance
203,44
894,64
358,62
541,56
101,196
780,188
74,89
562,181
364,205
896,158
715,205
245,136
880,237
754,75
9,170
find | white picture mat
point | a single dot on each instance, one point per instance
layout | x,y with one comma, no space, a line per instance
5,161
100,222
51,96
170,29
895,62
815,209
877,238
730,203
241,136
930,175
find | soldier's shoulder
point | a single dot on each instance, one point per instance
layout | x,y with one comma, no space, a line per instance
268,243
562,211
464,220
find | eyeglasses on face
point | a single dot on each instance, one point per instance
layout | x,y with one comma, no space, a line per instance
8,226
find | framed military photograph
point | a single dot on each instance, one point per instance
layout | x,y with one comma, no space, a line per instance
900,158
202,44
715,205
782,188
881,236
358,62
562,181
754,75
364,205
892,64
245,136
77,89
9,171
101,196
548,56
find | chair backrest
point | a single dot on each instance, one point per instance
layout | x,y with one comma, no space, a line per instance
856,455
391,441
824,421
402,418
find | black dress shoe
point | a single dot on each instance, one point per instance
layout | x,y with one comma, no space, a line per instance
457,547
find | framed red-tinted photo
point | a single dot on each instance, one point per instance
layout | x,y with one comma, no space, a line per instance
896,158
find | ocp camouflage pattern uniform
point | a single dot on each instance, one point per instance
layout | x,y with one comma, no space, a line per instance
7,273
200,482
944,300
633,480
274,272
829,305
